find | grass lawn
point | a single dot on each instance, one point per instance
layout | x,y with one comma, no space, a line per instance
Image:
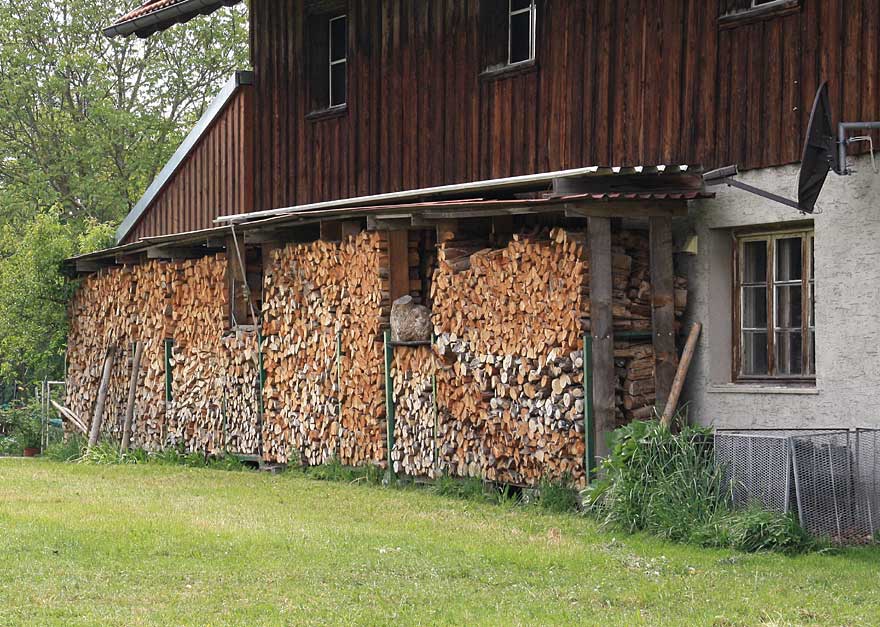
158,545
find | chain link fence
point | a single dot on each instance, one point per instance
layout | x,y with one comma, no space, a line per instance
829,479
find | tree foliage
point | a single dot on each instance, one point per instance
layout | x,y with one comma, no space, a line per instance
86,122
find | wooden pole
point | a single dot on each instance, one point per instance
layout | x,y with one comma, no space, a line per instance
98,418
681,374
132,394
602,325
663,306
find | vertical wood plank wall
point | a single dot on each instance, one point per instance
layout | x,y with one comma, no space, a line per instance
617,82
216,178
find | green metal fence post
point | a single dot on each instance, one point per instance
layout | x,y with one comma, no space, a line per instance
436,412
339,392
589,426
389,398
169,344
261,378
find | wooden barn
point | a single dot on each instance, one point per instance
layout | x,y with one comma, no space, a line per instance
529,174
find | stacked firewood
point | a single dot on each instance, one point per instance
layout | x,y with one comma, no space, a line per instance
324,304
199,310
414,417
240,365
151,324
634,368
511,392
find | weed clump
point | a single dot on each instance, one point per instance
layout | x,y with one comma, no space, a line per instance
669,485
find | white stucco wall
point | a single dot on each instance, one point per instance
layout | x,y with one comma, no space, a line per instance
847,268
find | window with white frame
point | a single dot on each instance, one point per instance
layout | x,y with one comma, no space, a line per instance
338,57
775,294
522,23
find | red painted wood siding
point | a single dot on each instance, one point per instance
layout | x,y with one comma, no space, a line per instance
215,179
617,82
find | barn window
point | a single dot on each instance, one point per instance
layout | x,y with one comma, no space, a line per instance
508,34
776,334
338,60
327,36
521,31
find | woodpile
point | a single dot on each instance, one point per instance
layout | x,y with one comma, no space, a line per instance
508,331
510,323
415,412
324,307
199,308
501,396
116,308
240,366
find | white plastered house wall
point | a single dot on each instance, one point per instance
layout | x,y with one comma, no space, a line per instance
847,274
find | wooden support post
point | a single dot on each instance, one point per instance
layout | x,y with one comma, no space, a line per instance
398,253
98,418
663,307
602,325
132,395
238,296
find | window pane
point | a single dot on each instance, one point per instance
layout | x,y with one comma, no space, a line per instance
517,5
755,262
754,307
789,306
788,353
337,84
789,259
520,37
754,355
338,39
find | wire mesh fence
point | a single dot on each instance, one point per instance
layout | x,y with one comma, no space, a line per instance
829,479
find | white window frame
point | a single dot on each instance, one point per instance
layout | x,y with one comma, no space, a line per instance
756,4
532,10
807,282
332,62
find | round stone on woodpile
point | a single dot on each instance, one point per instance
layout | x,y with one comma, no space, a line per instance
410,322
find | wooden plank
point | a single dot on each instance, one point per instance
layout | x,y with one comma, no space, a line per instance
398,257
663,306
98,418
132,395
602,323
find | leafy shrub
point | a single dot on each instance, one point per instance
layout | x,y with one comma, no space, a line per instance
22,426
469,488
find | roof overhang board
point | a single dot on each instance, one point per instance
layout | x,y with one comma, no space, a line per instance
145,22
217,106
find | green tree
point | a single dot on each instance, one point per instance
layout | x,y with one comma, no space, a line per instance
86,122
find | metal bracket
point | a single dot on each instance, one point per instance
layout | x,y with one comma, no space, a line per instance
725,176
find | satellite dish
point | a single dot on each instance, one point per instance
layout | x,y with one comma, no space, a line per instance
820,152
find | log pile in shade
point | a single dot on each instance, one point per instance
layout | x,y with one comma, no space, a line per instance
499,395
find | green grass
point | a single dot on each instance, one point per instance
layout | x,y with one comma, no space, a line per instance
161,545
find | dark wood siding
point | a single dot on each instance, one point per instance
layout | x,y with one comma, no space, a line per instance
215,179
616,82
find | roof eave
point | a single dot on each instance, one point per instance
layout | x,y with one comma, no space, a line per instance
163,18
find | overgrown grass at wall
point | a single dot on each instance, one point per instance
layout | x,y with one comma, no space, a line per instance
667,484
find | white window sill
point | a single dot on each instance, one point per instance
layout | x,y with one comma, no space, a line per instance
754,388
